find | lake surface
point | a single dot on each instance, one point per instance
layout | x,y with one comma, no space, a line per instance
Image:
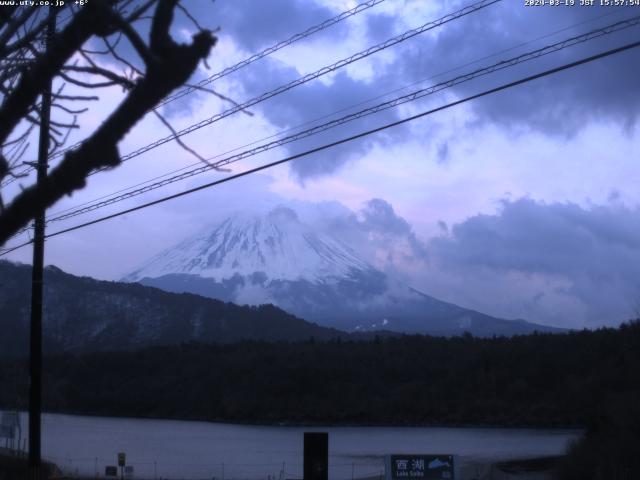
201,450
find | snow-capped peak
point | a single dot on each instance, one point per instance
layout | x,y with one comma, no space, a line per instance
277,244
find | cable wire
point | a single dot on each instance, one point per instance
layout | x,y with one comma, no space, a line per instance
307,78
299,81
227,71
290,158
421,93
272,49
344,109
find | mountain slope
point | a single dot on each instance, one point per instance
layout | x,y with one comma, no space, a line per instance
277,244
277,259
83,314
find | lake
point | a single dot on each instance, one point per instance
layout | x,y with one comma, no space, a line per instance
201,450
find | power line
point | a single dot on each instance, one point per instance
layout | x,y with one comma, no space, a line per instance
286,87
272,49
295,83
421,93
227,71
290,158
308,77
344,109
375,109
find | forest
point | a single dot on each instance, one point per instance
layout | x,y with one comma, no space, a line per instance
534,380
587,379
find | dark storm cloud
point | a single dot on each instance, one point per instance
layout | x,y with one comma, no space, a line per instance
559,105
380,27
562,104
381,235
255,25
378,215
596,250
443,153
315,100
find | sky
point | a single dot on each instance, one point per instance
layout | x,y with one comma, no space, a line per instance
522,204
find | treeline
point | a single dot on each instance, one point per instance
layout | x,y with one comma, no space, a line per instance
570,379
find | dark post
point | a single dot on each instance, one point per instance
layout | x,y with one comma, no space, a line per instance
316,456
35,360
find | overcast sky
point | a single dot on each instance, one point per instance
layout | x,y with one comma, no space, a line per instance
524,204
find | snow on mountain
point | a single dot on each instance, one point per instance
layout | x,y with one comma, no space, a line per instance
275,258
276,244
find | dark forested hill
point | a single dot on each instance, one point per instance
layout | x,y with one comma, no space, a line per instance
539,379
83,314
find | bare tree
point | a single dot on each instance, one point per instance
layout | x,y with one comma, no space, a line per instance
26,68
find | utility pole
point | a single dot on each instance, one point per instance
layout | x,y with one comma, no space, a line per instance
35,359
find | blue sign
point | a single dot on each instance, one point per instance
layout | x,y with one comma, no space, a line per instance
420,467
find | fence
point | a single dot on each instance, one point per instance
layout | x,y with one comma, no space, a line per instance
339,469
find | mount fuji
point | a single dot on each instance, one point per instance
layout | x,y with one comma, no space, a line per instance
276,258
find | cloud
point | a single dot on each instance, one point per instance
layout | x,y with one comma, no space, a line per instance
562,104
558,106
380,26
556,262
554,254
256,25
318,102
251,26
378,216
381,236
443,153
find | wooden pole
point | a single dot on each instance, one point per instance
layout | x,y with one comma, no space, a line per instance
35,358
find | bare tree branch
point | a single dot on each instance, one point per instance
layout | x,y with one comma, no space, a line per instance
114,77
80,83
29,37
220,96
69,110
12,27
190,17
112,50
32,82
179,140
137,43
138,13
76,97
170,66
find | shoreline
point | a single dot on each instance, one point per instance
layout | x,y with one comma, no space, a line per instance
483,454
294,424
540,467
